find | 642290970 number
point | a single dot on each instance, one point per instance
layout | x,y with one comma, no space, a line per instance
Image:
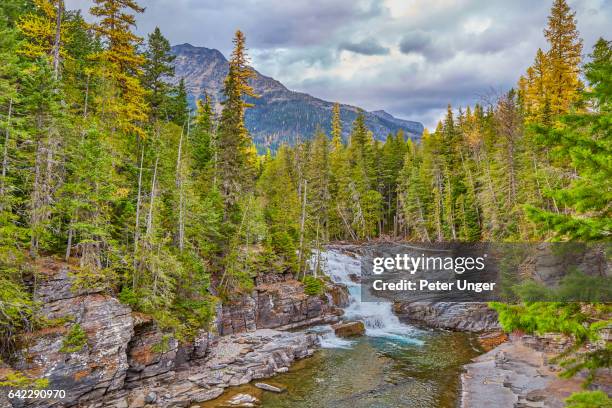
27,394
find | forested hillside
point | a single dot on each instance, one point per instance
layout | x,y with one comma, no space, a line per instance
103,165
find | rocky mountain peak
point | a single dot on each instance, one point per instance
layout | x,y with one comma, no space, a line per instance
279,115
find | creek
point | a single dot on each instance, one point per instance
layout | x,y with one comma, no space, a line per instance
394,365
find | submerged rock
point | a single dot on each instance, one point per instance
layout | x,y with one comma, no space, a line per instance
268,387
243,400
349,329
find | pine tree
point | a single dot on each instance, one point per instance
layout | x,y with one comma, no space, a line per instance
202,137
318,176
234,167
413,195
563,58
121,64
45,32
340,173
534,90
584,140
336,127
42,96
360,150
282,207
179,105
158,69
392,156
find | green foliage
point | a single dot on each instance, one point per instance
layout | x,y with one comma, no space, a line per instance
128,296
236,164
17,313
75,339
163,346
583,140
313,286
588,399
157,69
104,166
193,315
16,379
575,286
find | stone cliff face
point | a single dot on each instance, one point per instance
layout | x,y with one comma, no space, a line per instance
279,301
127,360
100,366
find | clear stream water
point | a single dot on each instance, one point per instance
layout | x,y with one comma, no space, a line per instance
393,365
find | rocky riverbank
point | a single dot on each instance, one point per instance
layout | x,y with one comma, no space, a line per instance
126,360
231,361
519,374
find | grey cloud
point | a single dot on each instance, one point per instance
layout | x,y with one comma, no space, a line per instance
425,44
369,46
299,43
417,41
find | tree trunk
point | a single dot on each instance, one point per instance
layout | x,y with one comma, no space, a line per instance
302,222
69,243
152,201
5,153
138,205
58,39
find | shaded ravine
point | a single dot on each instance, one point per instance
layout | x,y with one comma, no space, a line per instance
394,365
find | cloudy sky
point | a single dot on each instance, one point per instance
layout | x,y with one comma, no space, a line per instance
409,57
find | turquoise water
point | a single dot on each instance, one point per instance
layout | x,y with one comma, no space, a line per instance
378,372
394,365
373,372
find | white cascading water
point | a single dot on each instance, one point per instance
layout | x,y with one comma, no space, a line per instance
378,317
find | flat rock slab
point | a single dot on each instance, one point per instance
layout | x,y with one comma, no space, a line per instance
268,387
243,400
513,375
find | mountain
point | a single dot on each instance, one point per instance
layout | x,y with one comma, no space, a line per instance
279,114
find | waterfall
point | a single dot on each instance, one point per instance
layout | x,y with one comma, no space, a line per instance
378,317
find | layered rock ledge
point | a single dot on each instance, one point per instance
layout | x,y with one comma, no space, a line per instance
126,360
522,373
514,375
233,360
470,317
279,302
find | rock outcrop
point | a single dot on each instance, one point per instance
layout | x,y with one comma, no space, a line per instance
471,317
524,373
281,304
232,360
514,375
550,262
125,360
150,352
100,366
